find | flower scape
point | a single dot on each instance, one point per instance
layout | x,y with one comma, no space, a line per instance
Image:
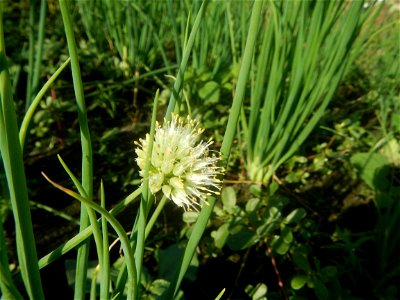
181,165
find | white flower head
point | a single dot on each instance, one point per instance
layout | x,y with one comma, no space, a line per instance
181,165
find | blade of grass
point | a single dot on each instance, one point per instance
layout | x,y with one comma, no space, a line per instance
105,271
185,57
145,203
175,31
54,212
92,217
39,48
31,50
242,81
128,252
86,233
32,108
34,66
11,154
155,215
93,285
87,163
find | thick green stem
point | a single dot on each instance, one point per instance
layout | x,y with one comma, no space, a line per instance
11,153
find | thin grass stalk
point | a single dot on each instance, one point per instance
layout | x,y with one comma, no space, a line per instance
242,81
87,8
219,296
212,42
145,203
105,271
109,9
128,82
185,57
259,88
31,53
32,108
11,154
128,252
230,21
140,44
233,119
82,236
97,234
155,215
55,212
175,31
367,24
93,285
87,163
39,49
35,61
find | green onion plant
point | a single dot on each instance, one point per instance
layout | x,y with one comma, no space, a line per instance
305,49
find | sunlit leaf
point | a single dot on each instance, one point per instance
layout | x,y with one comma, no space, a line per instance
228,197
295,216
220,236
298,281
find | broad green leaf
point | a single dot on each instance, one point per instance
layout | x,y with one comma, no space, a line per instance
278,201
329,271
259,292
272,188
300,259
320,290
271,222
287,235
255,190
295,216
266,228
220,235
274,213
373,169
396,120
386,199
391,151
190,216
210,92
279,245
243,239
252,205
167,259
159,286
298,281
228,197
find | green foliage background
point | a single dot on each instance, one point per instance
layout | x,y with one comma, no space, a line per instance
319,220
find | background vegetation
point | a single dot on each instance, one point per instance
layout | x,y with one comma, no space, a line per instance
310,205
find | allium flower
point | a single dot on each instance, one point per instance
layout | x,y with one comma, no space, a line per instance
180,166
